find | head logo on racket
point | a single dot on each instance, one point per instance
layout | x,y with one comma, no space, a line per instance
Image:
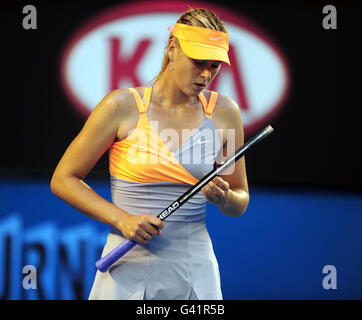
165,213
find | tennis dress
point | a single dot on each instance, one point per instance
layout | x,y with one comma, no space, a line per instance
146,177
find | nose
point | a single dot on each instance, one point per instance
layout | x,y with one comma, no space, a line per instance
206,71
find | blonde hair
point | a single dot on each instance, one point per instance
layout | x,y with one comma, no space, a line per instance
198,18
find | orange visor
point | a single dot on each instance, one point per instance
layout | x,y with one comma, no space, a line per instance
202,43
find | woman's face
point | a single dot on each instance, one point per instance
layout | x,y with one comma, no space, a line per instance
192,76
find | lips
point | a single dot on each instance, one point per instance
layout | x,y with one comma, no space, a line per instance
200,85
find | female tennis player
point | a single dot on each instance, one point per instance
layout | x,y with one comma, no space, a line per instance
162,139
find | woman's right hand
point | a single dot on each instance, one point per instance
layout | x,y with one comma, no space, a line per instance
140,228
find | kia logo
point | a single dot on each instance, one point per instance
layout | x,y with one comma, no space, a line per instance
123,47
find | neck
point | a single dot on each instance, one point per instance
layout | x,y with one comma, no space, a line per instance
167,93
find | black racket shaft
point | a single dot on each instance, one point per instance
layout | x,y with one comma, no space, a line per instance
104,263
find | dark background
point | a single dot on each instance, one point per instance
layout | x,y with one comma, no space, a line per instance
317,138
305,180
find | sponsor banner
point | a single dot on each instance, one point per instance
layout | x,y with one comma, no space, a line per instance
288,245
124,46
44,262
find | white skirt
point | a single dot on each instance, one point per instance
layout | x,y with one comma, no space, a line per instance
179,265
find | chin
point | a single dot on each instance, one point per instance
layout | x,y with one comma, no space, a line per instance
195,91
190,92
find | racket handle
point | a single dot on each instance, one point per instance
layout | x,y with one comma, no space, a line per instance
104,263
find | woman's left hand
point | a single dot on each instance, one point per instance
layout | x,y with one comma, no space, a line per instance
217,191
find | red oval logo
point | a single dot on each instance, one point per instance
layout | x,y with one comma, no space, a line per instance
123,47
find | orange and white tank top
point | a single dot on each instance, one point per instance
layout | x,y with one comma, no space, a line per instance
146,176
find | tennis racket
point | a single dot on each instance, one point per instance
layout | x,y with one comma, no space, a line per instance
104,263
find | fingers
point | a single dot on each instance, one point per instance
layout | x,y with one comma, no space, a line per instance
212,191
212,195
150,229
221,183
216,190
152,225
147,227
139,239
156,222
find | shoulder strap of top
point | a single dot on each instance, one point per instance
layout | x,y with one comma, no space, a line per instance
147,97
142,104
209,107
203,101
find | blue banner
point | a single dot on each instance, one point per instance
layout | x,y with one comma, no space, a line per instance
288,245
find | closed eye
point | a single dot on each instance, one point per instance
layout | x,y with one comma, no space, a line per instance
201,62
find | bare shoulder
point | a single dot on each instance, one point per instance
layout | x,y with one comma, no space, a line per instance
120,100
126,109
127,99
226,112
227,109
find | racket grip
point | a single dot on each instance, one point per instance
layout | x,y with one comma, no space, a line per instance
104,263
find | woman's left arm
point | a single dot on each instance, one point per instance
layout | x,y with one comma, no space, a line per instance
230,191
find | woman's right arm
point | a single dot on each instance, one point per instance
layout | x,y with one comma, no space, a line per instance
97,135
